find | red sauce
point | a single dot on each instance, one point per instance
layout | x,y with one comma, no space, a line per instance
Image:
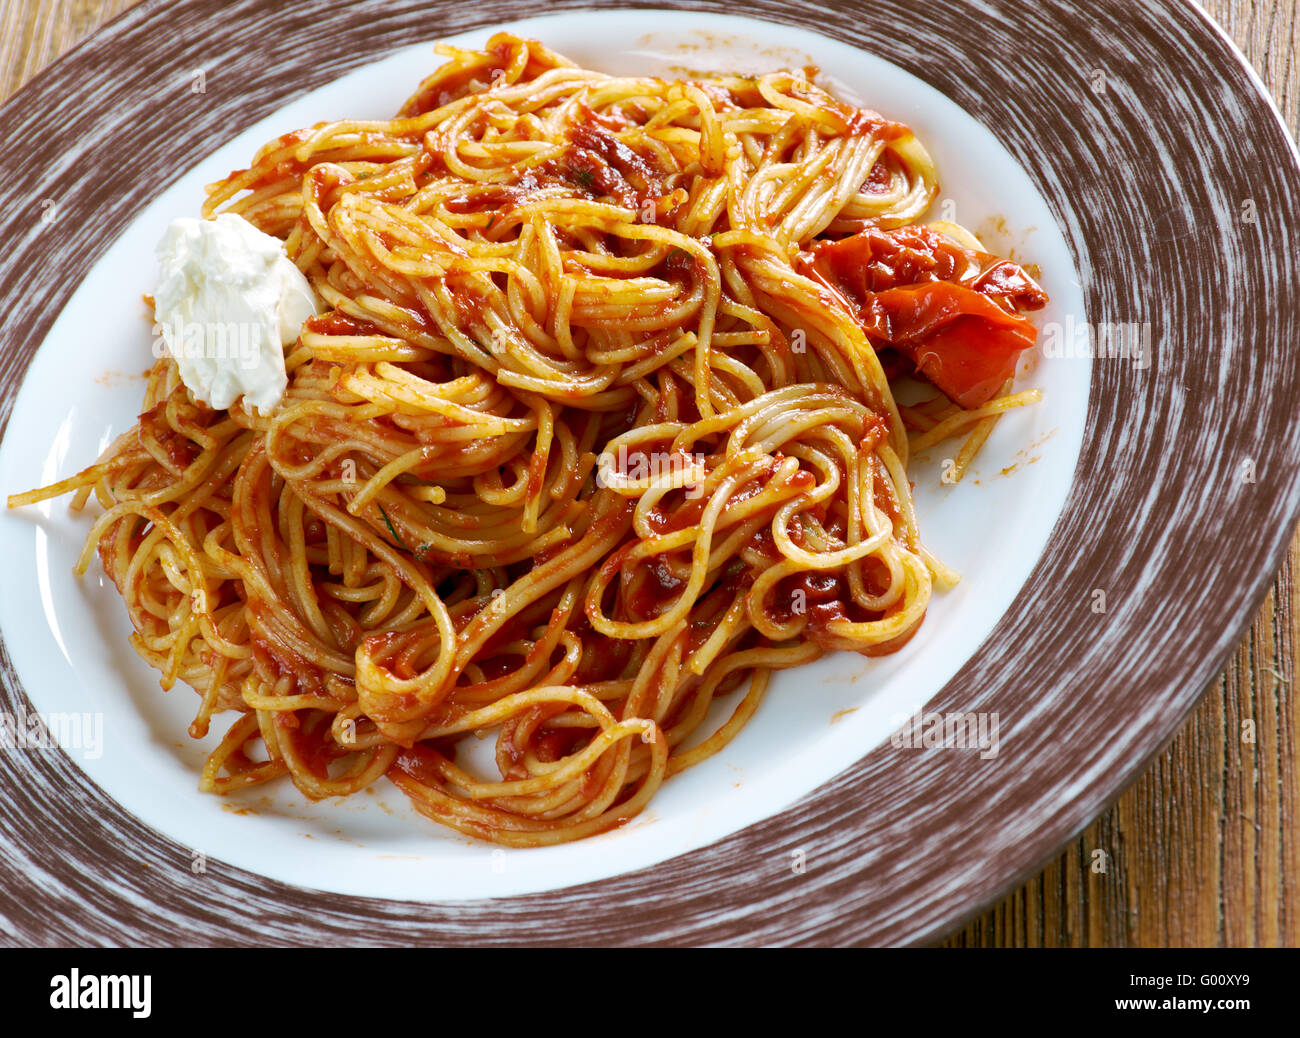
180,450
536,474
315,752
602,166
557,743
421,763
279,660
614,561
313,531
498,666
338,323
516,627
879,179
428,162
883,496
636,170
495,196
283,169
655,586
602,659
875,430
765,544
862,122
680,264
544,556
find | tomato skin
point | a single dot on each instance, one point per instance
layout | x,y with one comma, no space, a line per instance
960,340
954,312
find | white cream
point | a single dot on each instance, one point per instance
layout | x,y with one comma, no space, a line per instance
228,301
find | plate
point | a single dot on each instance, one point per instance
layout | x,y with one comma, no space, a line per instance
816,721
1076,534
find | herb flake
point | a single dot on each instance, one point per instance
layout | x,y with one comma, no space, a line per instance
401,544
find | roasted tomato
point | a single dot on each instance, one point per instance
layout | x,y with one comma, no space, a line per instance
956,313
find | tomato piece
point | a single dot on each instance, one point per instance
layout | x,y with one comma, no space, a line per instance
954,312
960,340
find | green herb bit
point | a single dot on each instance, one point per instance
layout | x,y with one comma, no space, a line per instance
401,544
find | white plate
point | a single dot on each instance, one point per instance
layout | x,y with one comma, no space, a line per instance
68,638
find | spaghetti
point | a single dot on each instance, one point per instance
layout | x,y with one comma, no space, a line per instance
596,430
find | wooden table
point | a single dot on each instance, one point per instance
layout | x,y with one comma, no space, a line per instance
1205,846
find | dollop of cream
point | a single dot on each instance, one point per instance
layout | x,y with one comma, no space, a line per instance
228,301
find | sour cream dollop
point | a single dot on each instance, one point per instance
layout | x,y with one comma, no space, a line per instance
228,301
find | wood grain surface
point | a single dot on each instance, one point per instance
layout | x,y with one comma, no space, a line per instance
1204,849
